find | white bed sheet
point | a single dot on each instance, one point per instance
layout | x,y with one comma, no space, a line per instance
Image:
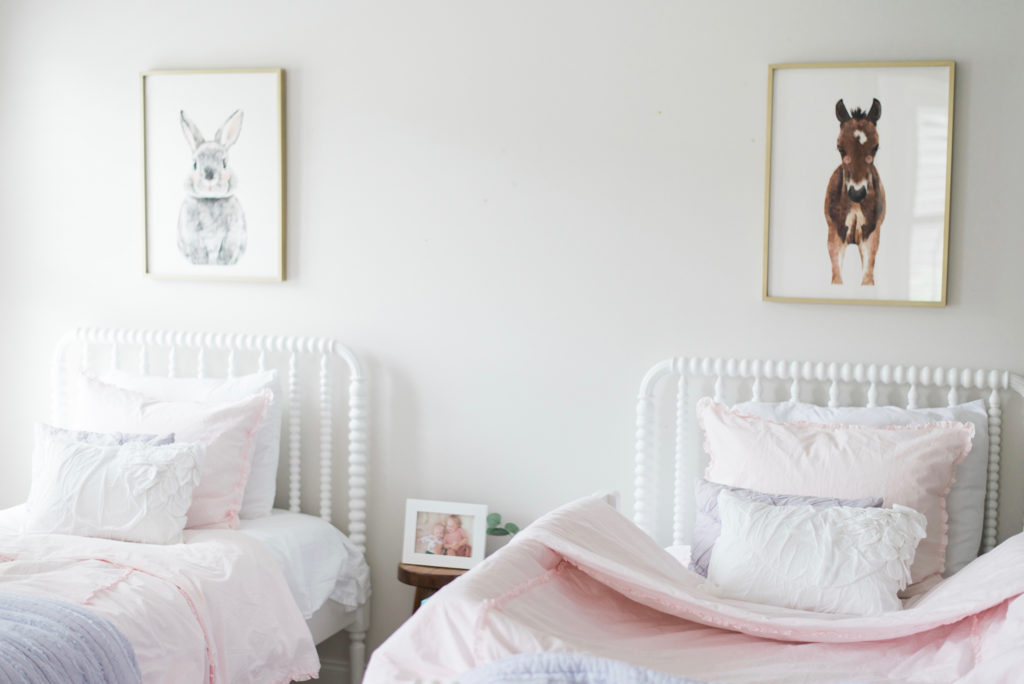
319,562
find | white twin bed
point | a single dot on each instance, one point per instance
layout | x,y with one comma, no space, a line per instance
839,523
222,588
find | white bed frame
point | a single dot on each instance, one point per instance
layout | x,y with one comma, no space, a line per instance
205,354
666,426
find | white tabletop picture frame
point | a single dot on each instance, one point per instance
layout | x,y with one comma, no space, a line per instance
430,530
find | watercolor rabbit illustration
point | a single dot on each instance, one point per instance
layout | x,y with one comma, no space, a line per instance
211,223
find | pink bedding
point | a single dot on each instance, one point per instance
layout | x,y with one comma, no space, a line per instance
215,609
583,578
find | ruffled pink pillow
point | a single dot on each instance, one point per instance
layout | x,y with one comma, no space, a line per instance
911,465
224,428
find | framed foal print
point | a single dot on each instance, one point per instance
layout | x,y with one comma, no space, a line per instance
213,147
857,182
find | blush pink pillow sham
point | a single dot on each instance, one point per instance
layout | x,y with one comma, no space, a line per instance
224,428
913,466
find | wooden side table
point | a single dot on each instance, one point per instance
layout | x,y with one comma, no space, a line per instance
426,579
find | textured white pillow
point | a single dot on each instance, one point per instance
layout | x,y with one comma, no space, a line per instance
225,429
965,504
707,525
132,491
99,438
828,560
262,483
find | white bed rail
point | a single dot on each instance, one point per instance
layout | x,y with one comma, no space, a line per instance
147,343
746,379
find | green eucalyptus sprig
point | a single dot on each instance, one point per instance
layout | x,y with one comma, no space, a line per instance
496,529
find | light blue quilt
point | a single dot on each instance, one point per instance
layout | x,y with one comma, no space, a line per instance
44,641
566,668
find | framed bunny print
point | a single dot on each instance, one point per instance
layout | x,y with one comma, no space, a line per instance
213,161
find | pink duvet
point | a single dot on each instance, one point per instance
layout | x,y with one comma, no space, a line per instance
215,609
583,578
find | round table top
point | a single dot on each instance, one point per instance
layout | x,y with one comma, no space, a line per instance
427,576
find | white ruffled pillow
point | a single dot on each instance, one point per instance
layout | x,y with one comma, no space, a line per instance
98,438
133,491
828,560
707,525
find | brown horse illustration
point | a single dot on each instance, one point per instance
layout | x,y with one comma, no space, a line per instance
855,199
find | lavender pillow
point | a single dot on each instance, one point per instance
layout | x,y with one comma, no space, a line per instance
707,525
105,438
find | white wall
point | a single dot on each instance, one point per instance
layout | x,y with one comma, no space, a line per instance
510,210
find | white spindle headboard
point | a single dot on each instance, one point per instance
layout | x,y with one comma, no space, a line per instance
167,349
666,426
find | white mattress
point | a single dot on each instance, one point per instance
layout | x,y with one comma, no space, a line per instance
318,560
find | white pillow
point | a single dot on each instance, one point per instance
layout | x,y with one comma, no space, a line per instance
132,491
225,429
965,504
828,560
99,438
262,484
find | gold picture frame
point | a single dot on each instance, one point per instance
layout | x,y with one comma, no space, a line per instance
842,226
214,174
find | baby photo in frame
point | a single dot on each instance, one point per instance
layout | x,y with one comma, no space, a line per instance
444,534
